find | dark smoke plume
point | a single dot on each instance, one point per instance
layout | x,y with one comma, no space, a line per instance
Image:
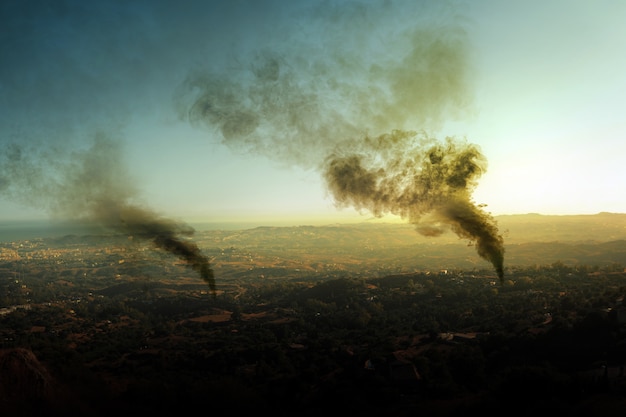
427,182
92,185
343,94
165,234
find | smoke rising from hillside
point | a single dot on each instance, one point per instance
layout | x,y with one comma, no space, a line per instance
420,179
332,86
93,185
348,102
70,69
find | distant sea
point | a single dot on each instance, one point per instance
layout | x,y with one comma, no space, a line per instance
42,229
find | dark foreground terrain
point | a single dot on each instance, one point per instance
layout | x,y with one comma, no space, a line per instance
90,326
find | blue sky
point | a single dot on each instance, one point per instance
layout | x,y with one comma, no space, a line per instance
538,86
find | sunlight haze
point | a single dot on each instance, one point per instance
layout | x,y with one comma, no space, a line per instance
540,92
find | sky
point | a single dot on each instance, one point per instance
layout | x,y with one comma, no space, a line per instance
251,111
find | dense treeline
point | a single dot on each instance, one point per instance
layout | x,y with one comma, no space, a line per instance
547,338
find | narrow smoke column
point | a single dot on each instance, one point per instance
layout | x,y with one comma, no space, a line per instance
165,234
92,185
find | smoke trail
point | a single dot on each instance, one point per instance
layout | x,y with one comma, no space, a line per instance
338,73
343,93
164,233
414,176
93,185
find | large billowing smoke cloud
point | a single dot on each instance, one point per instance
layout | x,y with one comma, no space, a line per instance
356,90
420,179
93,185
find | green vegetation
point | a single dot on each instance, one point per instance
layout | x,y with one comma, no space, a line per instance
95,326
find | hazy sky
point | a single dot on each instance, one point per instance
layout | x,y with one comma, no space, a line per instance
224,110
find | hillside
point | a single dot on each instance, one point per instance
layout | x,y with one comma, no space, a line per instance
351,319
530,239
385,248
515,228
